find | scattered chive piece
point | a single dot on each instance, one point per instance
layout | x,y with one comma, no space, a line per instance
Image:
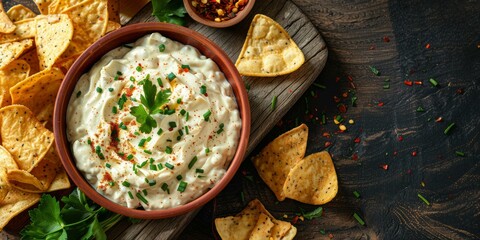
206,115
111,183
171,76
242,196
322,231
161,47
386,86
126,184
319,85
274,103
374,70
354,101
79,93
172,124
420,109
359,219
134,167
152,182
460,154
179,100
89,141
114,109
165,188
159,81
186,116
138,68
147,151
203,89
108,165
192,162
121,101
110,89
185,66
99,90
129,157
168,150
122,126
207,150
247,86
357,194
142,142
98,151
144,191
159,166
168,165
186,130
119,73
160,131
182,186
130,195
180,132
139,196
143,164
423,199
449,128
179,177
199,170
183,112
179,137
136,133
132,79
433,82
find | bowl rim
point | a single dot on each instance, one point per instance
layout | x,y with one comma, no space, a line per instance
238,18
109,42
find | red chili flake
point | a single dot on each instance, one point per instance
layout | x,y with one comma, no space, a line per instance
326,134
400,138
355,157
337,79
336,99
439,119
290,90
342,108
350,78
395,153
386,39
345,94
414,153
330,235
327,144
460,91
129,91
418,82
408,82
380,104
295,220
384,166
170,129
107,177
427,46
357,140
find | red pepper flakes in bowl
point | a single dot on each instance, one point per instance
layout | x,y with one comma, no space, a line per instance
218,10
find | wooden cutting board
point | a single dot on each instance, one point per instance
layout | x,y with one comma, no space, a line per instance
288,89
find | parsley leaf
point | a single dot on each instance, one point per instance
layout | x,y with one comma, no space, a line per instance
152,101
313,214
46,221
170,11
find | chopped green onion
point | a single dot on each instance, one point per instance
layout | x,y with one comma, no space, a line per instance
165,188
99,90
449,128
79,93
108,165
138,68
110,89
199,170
274,103
420,109
180,132
130,156
121,101
126,184
172,124
153,167
186,130
357,194
159,166
132,79
354,101
460,154
98,151
130,195
168,150
207,150
182,186
171,76
111,183
122,126
144,191
423,199
186,116
160,131
161,47
114,110
143,164
319,85
179,177
185,66
183,112
374,70
134,167
203,89
206,115
179,100
152,182
119,73
147,151
386,86
359,219
139,196
168,165
433,82
142,142
192,162
159,81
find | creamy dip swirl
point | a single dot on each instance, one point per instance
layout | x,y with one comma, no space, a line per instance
184,155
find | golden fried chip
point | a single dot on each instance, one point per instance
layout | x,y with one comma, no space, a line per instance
313,180
32,59
268,50
24,136
60,181
113,11
91,16
60,5
262,229
20,12
14,203
38,93
112,26
52,8
12,50
235,228
43,5
25,29
276,160
54,33
13,73
25,181
282,230
6,163
6,25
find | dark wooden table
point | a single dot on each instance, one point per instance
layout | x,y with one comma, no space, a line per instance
404,40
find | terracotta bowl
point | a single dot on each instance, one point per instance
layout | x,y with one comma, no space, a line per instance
205,21
130,34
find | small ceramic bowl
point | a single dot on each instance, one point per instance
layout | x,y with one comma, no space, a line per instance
240,15
130,34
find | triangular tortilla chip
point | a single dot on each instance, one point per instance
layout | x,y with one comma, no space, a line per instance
24,136
32,59
54,34
20,12
91,16
12,50
6,25
25,29
114,11
313,180
13,73
43,5
6,163
60,181
268,50
14,203
262,229
276,160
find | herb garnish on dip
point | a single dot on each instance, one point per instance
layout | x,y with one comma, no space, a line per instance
153,124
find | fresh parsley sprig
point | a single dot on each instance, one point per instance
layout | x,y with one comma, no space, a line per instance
316,213
79,218
152,101
170,11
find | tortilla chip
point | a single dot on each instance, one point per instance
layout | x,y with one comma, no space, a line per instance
313,180
282,230
6,163
6,25
25,29
32,59
276,160
43,5
15,72
112,26
20,12
60,5
290,234
268,50
91,16
54,34
24,136
52,8
113,11
60,181
262,230
14,203
12,50
235,228
38,93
